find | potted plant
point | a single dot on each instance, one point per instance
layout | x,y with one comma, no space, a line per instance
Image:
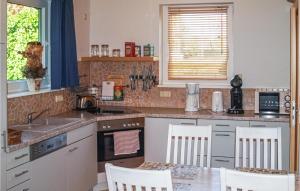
33,70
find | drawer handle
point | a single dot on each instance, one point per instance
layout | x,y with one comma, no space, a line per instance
222,135
187,123
22,173
258,125
21,156
26,189
220,160
222,125
74,149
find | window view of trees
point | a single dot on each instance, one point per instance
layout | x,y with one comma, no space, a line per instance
22,27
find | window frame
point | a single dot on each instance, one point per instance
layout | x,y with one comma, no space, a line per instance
164,54
17,86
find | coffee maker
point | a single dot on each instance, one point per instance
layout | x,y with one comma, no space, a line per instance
192,97
236,96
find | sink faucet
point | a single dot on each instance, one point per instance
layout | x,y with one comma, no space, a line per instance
30,117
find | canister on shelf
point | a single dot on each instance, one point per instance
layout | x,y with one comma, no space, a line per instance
129,49
118,93
148,50
94,50
116,53
104,50
138,51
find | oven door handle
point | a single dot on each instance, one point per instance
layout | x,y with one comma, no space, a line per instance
107,134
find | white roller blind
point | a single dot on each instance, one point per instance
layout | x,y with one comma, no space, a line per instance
198,43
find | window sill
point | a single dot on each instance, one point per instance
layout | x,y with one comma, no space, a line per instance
28,93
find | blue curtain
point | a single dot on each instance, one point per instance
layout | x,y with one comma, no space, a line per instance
64,69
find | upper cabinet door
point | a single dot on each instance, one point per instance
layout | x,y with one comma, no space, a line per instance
2,21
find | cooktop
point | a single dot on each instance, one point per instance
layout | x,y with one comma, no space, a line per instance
110,111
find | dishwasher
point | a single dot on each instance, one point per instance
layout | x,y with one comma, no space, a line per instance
48,164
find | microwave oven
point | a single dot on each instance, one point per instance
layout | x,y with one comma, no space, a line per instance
272,101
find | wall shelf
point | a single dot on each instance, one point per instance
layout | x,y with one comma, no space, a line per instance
119,59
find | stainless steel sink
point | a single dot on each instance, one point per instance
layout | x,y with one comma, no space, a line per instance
45,125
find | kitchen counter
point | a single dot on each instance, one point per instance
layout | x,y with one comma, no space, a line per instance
207,114
29,138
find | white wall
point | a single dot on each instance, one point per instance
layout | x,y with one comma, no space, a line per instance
260,33
82,26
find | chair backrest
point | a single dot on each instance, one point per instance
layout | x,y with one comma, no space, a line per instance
121,179
258,148
234,180
197,148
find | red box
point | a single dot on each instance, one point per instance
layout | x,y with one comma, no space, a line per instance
129,49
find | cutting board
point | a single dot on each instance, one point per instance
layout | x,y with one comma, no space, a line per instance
108,90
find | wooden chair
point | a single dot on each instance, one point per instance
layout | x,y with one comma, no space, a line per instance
121,179
198,145
234,180
258,148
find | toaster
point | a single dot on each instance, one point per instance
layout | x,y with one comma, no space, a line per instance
85,102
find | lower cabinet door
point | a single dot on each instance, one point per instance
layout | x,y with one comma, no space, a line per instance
48,172
81,164
225,162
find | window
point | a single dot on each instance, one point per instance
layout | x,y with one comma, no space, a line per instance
27,20
196,44
22,27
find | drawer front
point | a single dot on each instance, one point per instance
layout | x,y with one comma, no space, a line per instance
268,124
81,133
18,175
17,158
183,121
223,144
218,162
26,186
228,125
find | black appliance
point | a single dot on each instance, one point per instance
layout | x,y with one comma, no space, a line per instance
269,103
236,96
105,137
45,147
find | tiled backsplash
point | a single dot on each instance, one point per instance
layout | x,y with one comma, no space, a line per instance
20,107
95,73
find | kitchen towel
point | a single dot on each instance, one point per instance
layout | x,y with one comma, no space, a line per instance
107,90
126,142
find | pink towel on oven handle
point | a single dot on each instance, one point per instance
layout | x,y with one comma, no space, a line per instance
126,142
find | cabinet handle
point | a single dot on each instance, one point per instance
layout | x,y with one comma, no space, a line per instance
187,123
220,160
222,135
222,125
22,173
26,189
21,156
74,149
258,125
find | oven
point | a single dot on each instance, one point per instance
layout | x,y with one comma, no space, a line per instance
105,143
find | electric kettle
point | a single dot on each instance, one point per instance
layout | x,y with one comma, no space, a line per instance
217,102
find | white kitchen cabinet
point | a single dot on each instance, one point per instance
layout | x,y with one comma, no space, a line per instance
72,168
223,141
81,164
49,172
156,136
285,134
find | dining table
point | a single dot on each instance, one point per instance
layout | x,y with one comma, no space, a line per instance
193,178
